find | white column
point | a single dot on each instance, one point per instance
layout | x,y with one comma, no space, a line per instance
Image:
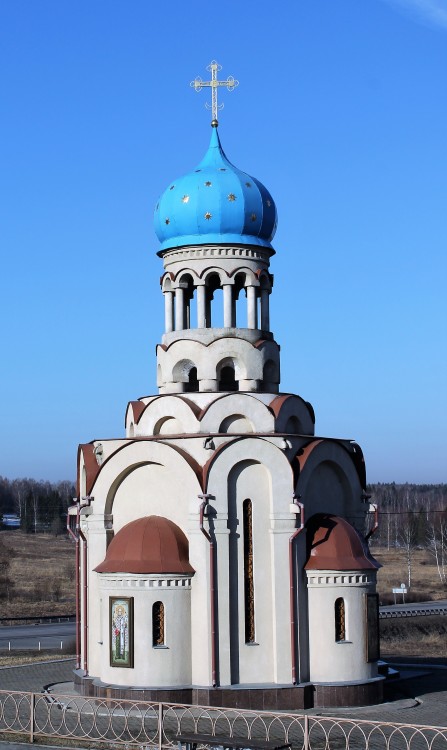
252,312
265,314
207,312
179,309
201,319
228,306
169,311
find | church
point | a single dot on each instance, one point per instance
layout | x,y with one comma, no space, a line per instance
221,553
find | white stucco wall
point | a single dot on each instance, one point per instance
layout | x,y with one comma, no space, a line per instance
254,468
159,666
332,661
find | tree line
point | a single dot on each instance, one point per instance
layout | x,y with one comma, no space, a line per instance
413,516
41,506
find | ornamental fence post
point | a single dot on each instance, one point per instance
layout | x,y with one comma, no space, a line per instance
160,726
32,704
306,732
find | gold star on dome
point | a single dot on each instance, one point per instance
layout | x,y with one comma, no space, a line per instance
167,221
208,215
208,183
253,217
185,199
269,203
232,197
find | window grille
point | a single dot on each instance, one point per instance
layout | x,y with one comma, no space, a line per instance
249,594
340,620
158,624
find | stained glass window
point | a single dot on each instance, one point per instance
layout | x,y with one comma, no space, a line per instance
249,593
340,620
158,624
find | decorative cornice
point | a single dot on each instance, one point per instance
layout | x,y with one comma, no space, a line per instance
143,581
251,252
334,578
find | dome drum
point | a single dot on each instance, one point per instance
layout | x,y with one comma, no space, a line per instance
225,364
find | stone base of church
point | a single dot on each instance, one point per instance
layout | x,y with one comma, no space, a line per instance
266,698
348,694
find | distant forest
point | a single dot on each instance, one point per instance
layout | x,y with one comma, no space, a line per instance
413,514
40,506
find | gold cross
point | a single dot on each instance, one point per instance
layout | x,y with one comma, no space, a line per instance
198,85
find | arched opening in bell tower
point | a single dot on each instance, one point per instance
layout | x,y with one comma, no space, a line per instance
189,315
239,301
213,313
193,384
226,376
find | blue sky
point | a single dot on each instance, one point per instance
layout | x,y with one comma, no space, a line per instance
341,111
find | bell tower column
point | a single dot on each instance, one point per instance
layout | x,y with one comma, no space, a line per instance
201,306
228,305
265,312
169,312
252,311
179,309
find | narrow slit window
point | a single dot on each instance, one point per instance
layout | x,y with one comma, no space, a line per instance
249,594
158,624
340,620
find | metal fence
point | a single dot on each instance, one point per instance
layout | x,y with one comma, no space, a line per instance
154,726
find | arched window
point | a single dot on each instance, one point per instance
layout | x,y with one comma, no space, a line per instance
340,620
193,384
158,624
249,592
227,381
239,301
213,319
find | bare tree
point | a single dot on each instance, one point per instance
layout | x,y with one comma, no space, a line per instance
408,536
437,543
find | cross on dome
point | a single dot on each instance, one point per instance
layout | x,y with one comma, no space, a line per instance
198,85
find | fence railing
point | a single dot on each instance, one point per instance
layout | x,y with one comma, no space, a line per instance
154,726
37,619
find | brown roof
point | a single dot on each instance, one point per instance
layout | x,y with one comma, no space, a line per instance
148,545
138,408
91,466
333,544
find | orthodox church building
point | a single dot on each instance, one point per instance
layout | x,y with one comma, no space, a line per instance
221,556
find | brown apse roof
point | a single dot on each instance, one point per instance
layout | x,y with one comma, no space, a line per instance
148,545
333,544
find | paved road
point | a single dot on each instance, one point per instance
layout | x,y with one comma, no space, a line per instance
49,635
411,610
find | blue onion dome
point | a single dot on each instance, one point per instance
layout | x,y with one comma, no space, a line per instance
216,203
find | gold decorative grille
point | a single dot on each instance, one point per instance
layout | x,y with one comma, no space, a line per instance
340,620
158,624
249,591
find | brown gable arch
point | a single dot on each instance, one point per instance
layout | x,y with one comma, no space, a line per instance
354,452
91,465
195,466
194,408
138,408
